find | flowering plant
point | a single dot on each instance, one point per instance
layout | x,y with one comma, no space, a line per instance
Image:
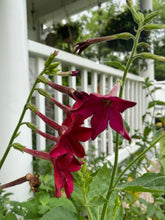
68,152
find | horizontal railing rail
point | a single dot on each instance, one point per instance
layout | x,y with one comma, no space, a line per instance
94,77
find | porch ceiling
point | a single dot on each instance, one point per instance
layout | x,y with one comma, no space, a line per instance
59,9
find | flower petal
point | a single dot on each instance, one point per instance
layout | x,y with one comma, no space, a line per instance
82,134
116,123
63,162
58,149
75,165
76,147
121,104
68,183
58,178
99,122
114,90
87,108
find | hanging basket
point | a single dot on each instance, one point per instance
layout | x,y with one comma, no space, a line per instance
68,32
51,39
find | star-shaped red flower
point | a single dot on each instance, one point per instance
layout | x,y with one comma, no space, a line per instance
70,135
104,109
63,166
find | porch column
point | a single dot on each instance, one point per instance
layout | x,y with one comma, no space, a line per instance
149,71
14,89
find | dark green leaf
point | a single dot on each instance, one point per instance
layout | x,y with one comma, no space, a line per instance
160,200
100,183
97,201
44,199
160,215
155,102
59,213
17,134
116,64
150,210
147,130
159,102
10,216
149,182
62,202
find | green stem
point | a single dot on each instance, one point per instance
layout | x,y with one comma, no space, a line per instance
137,158
112,177
130,61
19,123
86,204
117,135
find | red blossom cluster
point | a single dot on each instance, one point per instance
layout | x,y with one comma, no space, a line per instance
67,152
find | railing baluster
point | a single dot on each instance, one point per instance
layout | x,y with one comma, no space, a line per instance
127,97
141,101
139,105
94,79
132,110
103,134
136,112
72,84
84,87
58,97
40,103
110,136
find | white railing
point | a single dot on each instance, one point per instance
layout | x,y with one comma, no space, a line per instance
94,77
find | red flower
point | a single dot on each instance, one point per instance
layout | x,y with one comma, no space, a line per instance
63,166
105,108
70,135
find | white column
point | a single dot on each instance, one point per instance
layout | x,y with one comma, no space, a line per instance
146,5
14,89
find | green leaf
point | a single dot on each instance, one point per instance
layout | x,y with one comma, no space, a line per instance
59,213
160,201
159,102
77,196
17,134
155,102
97,201
10,216
146,132
100,183
160,215
149,182
150,210
66,203
116,64
44,199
